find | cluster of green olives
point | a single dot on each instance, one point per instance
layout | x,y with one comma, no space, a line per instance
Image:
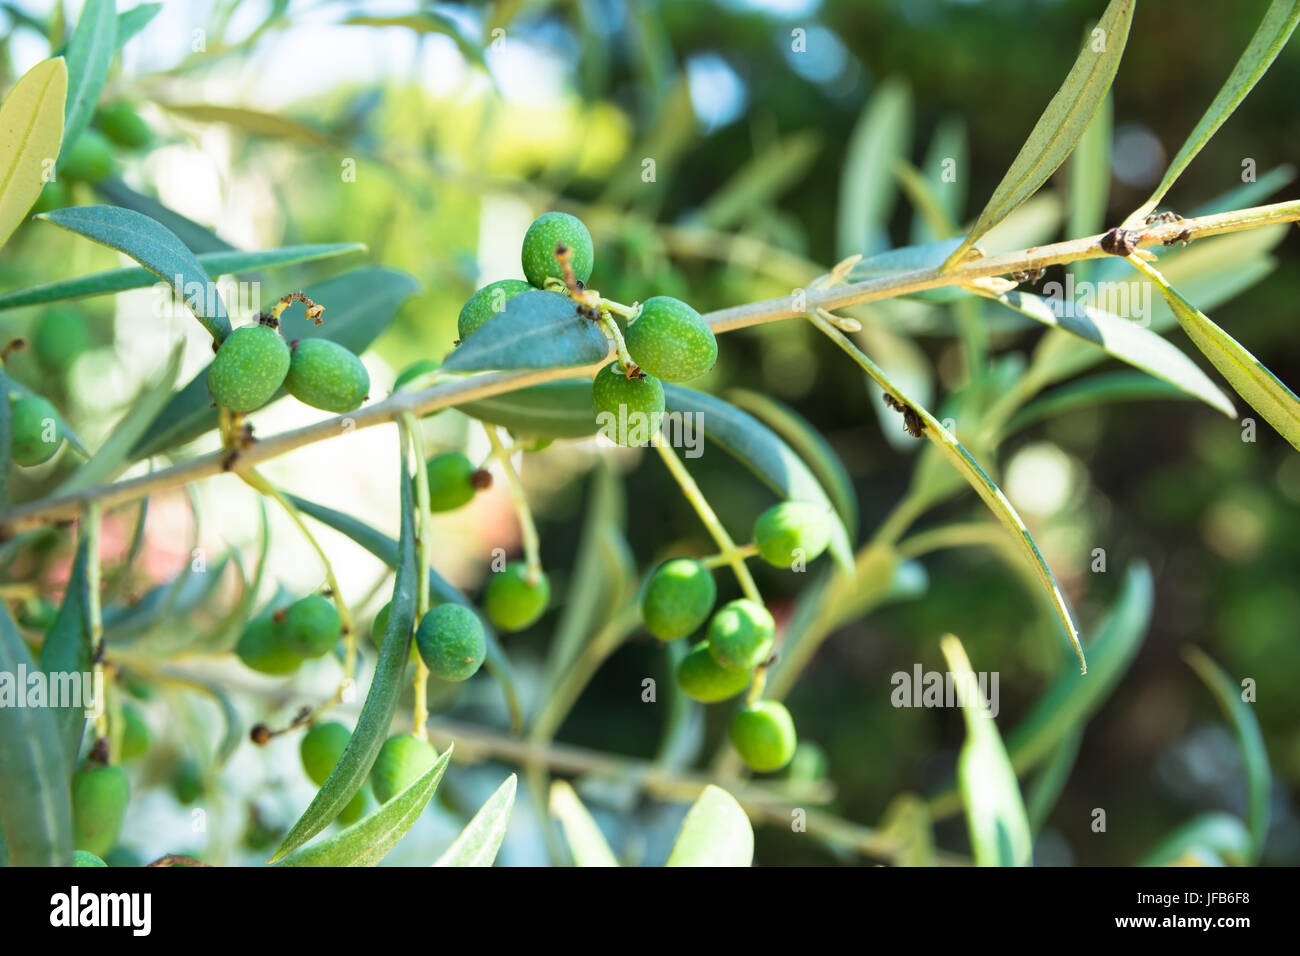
89,159
254,361
278,643
401,761
679,597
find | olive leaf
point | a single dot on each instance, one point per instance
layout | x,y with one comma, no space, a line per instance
716,832
1245,373
947,151
1093,392
90,51
156,248
995,812
560,409
131,22
757,447
586,842
760,181
66,654
369,840
1062,124
536,329
360,305
867,188
386,550
1088,186
273,125
35,810
1250,741
426,21
198,239
478,843
1274,30
381,701
215,264
31,129
1125,340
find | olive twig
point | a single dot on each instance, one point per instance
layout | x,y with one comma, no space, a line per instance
425,538
710,520
742,552
527,527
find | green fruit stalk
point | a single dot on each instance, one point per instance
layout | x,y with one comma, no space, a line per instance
671,341
678,598
324,374
249,368
452,642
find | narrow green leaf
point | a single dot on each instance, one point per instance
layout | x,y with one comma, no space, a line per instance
1091,392
766,455
560,409
386,550
479,842
1087,192
66,654
90,51
368,841
1220,833
251,121
131,22
1063,121
35,811
1274,30
1254,754
1050,782
1245,195
867,187
977,478
809,444
360,305
198,239
760,182
215,264
1245,373
1125,340
944,169
716,832
157,249
31,129
381,700
535,330
426,21
995,811
586,842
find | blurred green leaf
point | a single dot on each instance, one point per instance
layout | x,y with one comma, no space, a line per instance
157,249
1249,194
426,21
867,187
1050,782
560,409
906,822
1063,121
766,455
1087,191
90,51
586,842
198,239
761,181
271,125
1092,392
360,305
479,842
1254,755
1245,373
368,841
66,653
1220,833
1125,340
716,832
376,718
131,22
535,330
944,169
995,812
31,129
35,810
1274,30
214,264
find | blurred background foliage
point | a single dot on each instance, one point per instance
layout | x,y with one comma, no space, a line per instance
456,146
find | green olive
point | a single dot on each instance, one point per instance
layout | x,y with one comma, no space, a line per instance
249,368
792,532
99,798
671,341
487,302
326,375
741,635
548,232
678,598
513,600
402,760
701,677
452,642
764,735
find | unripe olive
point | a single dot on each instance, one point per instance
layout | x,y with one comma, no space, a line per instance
699,676
764,735
741,634
452,481
548,231
792,531
629,411
321,748
402,760
249,368
99,798
37,613
187,781
90,158
452,642
82,858
678,598
324,374
355,809
59,337
262,647
487,302
671,341
312,626
123,125
35,431
55,195
136,735
513,601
